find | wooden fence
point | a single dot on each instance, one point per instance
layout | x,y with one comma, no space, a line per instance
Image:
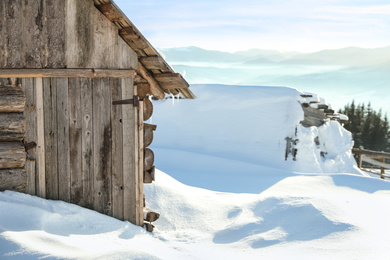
368,159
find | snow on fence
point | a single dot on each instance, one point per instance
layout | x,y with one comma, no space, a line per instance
368,159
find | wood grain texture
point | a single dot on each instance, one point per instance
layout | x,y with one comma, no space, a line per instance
147,109
75,136
148,134
117,150
149,159
12,155
140,164
74,73
51,136
155,88
87,160
102,146
40,140
13,179
92,40
12,98
29,112
129,154
12,127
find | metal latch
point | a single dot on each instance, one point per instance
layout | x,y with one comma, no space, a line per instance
135,101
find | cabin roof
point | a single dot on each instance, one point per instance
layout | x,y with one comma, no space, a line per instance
153,68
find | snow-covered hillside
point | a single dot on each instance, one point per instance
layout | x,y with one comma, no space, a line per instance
231,134
227,193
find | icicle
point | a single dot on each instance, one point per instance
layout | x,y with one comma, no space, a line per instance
150,120
173,99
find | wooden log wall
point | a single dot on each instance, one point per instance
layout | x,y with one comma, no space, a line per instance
316,112
12,131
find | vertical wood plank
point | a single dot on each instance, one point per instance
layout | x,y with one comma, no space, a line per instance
55,27
34,34
129,154
87,170
117,150
75,136
102,145
50,134
3,41
40,139
30,116
140,161
13,29
63,138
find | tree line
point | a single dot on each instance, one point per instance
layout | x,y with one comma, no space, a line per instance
369,128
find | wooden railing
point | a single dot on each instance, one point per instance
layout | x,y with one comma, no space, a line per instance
367,159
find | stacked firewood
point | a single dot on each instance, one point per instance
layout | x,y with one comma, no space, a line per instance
12,131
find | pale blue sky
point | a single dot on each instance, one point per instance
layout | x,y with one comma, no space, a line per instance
300,25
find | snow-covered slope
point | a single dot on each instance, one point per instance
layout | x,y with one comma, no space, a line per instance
338,216
241,198
230,134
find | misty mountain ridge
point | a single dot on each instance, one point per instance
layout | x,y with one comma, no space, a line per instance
349,56
340,75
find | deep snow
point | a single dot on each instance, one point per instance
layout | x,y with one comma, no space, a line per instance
230,140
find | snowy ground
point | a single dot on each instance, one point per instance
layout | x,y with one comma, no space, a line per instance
248,201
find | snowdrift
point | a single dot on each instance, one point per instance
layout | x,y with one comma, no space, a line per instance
229,194
231,134
337,216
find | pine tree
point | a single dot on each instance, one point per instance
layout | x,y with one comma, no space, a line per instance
368,127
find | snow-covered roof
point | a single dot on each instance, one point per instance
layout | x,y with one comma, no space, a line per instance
156,71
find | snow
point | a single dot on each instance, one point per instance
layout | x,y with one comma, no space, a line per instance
227,193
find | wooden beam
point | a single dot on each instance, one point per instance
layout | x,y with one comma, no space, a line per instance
12,127
129,31
171,80
375,162
110,12
13,179
12,99
12,155
155,88
372,154
143,89
155,63
66,73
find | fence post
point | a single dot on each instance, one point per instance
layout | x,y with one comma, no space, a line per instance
383,169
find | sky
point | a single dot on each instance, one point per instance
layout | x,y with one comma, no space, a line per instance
285,25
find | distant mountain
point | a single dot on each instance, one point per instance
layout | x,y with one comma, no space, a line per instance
195,54
350,56
340,75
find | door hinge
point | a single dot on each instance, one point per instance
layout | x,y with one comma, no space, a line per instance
134,101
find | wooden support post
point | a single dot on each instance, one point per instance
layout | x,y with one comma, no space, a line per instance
155,88
40,150
140,172
360,160
383,169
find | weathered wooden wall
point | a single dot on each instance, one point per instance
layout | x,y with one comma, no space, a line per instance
12,130
84,150
60,34
89,151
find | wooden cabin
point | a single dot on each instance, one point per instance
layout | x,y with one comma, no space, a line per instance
76,79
